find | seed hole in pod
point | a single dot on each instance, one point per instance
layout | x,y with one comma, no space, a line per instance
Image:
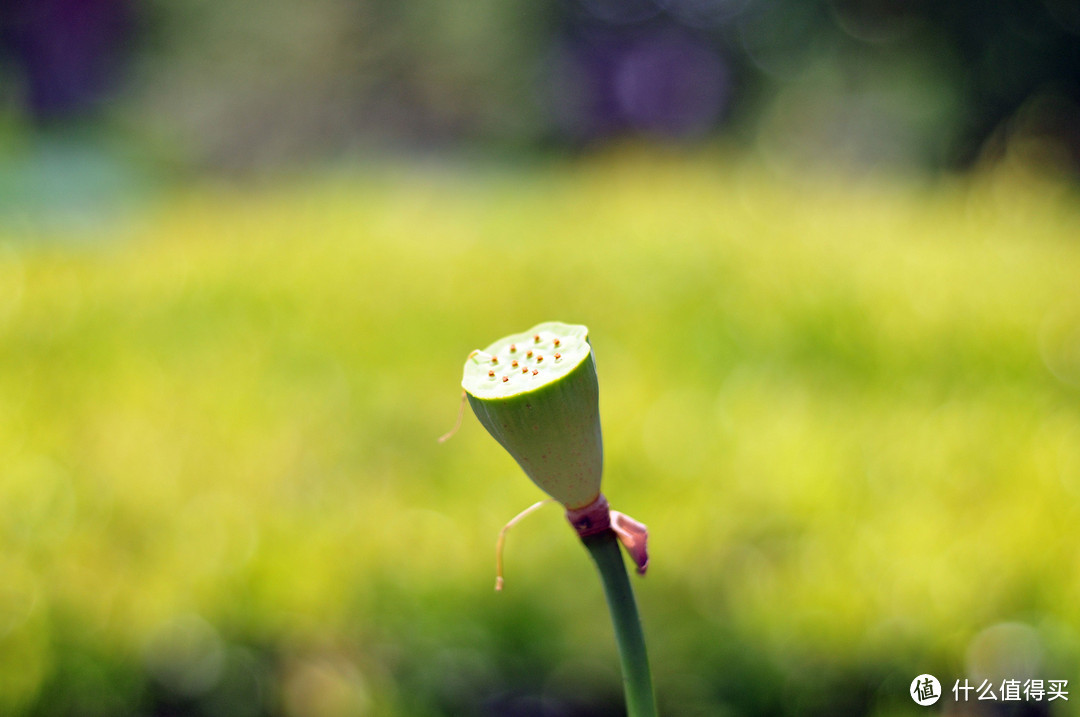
535,372
513,348
536,338
491,374
558,356
528,354
556,342
514,364
539,359
505,379
524,370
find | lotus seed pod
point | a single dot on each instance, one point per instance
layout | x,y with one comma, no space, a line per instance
536,393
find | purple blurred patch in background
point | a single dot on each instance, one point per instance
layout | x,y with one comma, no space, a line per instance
657,81
69,53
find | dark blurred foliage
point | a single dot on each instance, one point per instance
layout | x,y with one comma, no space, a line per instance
227,85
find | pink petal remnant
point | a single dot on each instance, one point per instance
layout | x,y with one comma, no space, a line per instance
591,519
634,536
597,517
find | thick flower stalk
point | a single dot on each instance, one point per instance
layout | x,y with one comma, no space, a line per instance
537,394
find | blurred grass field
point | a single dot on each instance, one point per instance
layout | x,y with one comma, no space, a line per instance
848,413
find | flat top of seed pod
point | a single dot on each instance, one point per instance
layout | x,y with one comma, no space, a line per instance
524,362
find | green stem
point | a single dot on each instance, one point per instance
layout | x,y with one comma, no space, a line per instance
637,680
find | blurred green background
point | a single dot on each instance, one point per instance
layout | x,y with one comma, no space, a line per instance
828,256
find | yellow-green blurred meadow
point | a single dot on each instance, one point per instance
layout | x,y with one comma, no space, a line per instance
848,412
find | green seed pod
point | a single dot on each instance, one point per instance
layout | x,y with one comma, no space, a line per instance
536,393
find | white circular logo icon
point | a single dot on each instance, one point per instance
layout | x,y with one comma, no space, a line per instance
925,690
